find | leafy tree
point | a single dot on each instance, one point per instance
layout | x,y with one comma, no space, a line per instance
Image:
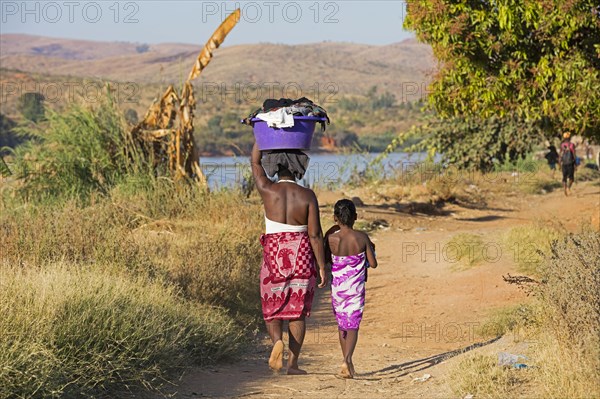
31,106
539,59
482,143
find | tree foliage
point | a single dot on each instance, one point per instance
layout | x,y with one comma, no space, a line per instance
482,143
77,152
539,59
31,106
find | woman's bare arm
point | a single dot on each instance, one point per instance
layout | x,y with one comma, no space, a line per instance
260,177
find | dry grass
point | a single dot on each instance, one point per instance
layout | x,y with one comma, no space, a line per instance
480,376
146,265
207,245
155,272
73,332
563,323
520,320
529,245
569,347
464,251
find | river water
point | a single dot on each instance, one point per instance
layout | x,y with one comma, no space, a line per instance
325,170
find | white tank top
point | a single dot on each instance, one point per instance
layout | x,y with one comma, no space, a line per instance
276,227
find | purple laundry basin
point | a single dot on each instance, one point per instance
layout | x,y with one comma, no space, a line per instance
297,137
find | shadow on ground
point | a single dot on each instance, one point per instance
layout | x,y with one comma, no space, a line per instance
413,366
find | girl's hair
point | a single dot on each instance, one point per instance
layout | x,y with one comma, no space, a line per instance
345,212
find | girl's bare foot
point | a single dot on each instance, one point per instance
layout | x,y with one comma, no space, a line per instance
295,371
351,369
276,358
345,371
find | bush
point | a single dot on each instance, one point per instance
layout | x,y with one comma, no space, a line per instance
475,143
31,106
572,291
569,345
71,332
563,323
80,151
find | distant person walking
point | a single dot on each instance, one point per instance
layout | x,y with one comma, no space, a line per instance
567,162
552,158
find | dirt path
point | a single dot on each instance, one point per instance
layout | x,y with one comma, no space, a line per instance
420,313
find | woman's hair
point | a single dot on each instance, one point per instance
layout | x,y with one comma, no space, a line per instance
345,212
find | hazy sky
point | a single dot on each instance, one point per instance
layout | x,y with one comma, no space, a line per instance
149,21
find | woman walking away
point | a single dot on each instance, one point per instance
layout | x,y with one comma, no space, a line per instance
292,241
351,253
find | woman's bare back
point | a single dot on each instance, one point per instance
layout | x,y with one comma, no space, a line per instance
287,202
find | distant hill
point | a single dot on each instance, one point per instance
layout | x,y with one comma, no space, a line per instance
338,76
347,68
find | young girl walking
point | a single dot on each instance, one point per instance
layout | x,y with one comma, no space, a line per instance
351,252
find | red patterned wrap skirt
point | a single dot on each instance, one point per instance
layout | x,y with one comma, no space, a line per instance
288,276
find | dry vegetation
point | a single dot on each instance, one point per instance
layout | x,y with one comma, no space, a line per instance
561,323
116,278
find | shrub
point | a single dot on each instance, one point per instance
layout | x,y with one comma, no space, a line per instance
475,143
75,153
563,323
572,291
569,346
31,106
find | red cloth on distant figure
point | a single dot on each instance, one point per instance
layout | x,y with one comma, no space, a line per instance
288,276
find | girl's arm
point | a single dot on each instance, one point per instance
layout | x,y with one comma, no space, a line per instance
371,254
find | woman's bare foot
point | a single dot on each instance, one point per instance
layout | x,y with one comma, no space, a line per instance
276,358
295,371
345,371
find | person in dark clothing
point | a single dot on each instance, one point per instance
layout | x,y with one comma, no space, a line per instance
552,158
567,162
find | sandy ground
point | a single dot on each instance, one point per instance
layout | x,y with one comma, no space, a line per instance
421,314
